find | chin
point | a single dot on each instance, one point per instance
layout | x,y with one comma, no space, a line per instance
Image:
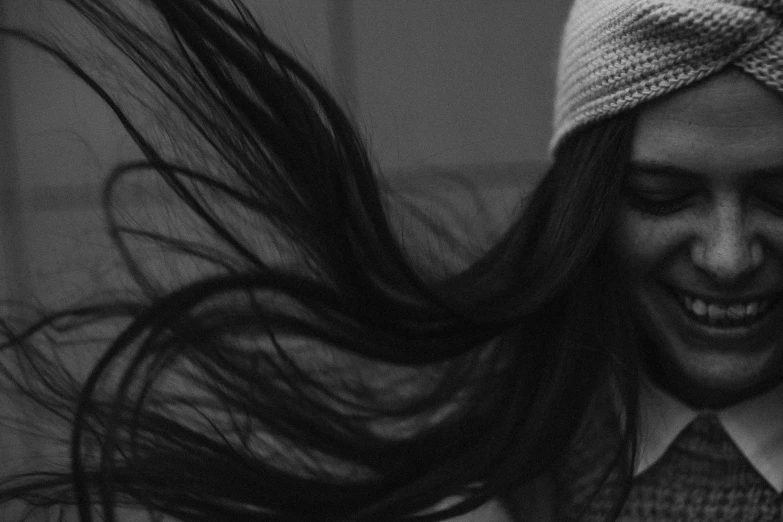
706,379
708,367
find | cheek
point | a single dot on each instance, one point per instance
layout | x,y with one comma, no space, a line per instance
770,231
643,243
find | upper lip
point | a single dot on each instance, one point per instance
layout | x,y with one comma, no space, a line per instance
726,299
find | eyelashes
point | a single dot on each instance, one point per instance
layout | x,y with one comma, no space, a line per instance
773,202
658,202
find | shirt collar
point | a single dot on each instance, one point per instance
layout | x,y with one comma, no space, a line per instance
755,426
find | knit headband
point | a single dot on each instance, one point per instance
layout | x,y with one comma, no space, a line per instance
616,54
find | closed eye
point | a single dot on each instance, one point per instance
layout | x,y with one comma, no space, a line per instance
768,191
658,202
772,201
660,190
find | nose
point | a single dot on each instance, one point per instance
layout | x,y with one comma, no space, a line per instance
726,249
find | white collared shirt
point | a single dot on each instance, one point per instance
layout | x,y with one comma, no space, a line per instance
755,426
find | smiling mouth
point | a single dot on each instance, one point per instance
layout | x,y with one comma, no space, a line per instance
725,315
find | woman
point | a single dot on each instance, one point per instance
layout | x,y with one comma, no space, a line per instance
332,379
697,235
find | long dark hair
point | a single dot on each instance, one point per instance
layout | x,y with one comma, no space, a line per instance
306,369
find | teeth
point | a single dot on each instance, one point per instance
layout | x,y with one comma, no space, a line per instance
714,313
699,307
736,312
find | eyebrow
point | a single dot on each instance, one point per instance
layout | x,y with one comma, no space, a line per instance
662,169
669,170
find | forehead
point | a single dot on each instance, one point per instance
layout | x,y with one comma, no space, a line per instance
727,124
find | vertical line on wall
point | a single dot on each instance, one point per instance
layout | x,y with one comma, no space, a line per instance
16,444
12,234
342,41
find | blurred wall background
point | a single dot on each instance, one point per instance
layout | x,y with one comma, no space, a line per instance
462,85
435,86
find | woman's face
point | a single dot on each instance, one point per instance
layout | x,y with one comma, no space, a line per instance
700,234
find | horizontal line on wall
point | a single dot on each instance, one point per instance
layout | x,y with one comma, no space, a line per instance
479,177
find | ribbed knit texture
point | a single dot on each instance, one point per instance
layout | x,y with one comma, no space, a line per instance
617,54
702,476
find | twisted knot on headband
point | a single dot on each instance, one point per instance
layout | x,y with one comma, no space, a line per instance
617,54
